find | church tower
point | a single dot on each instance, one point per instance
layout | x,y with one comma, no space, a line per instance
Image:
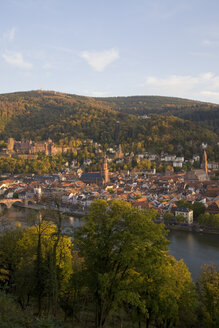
119,153
10,145
205,162
105,171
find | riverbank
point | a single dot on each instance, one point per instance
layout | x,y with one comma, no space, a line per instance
64,210
83,213
202,229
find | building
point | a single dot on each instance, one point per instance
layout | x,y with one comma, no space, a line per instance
105,171
101,178
177,164
200,174
186,212
204,165
31,147
196,175
119,153
213,166
213,208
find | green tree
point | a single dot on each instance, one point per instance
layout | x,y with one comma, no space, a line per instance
168,217
208,295
180,218
176,301
9,257
197,207
207,219
37,273
168,293
118,243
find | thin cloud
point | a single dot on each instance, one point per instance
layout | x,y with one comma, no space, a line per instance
204,86
98,94
100,60
206,43
209,43
162,11
47,66
172,83
213,95
16,59
64,49
10,35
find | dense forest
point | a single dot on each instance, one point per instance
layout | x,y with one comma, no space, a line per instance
113,271
175,125
206,114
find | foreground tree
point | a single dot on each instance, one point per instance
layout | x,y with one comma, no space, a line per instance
45,265
176,299
119,244
208,295
9,258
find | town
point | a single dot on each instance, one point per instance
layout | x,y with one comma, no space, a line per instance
76,186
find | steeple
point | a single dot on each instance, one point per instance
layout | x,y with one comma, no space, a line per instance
205,162
105,171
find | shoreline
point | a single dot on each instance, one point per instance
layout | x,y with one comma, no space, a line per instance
65,210
205,230
81,214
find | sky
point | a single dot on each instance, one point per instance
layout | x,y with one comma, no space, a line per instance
111,47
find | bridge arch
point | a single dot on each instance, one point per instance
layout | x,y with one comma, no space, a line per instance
3,207
17,202
10,202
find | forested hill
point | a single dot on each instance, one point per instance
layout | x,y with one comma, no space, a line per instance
138,103
202,113
63,117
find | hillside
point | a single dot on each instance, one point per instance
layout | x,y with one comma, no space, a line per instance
201,113
39,115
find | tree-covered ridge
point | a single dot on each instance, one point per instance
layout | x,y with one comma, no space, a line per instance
140,103
40,115
206,114
22,101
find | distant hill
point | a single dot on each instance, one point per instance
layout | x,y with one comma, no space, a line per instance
42,114
203,113
150,102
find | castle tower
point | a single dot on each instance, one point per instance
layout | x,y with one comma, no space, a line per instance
105,171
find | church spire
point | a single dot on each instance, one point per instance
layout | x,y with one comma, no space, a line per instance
205,162
105,171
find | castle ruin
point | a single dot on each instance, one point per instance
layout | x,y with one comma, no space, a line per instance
31,147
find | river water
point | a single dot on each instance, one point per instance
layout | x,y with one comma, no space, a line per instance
194,248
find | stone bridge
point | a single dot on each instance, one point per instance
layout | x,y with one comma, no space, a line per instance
10,202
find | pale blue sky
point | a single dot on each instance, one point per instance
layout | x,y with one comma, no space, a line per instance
111,47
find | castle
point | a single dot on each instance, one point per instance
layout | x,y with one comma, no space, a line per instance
31,147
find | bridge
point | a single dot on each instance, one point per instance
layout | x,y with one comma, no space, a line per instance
10,202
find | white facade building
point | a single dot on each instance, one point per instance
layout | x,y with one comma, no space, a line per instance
186,212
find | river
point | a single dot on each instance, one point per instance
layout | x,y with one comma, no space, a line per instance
194,248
